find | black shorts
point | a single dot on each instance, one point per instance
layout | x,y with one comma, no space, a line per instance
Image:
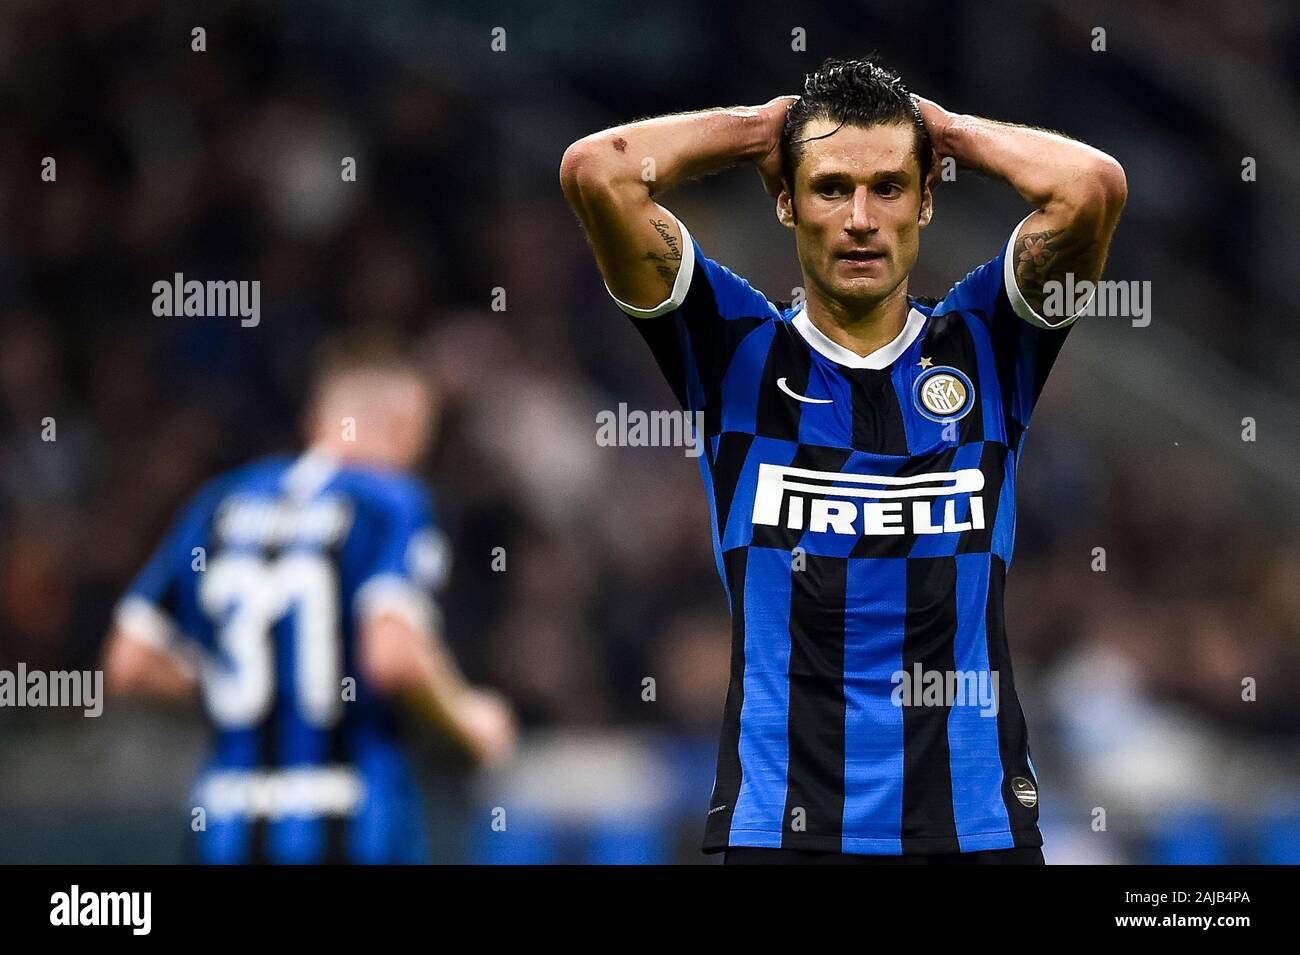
745,855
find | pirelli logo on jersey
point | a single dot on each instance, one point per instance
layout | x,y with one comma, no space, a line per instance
867,504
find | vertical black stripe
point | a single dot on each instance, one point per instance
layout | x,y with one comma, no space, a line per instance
930,627
778,414
993,458
1049,347
1011,335
662,335
1013,733
268,758
726,787
335,850
733,449
814,808
877,416
337,753
713,338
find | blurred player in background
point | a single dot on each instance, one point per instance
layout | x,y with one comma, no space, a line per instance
861,453
295,597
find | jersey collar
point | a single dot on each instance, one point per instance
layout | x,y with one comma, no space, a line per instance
310,473
882,357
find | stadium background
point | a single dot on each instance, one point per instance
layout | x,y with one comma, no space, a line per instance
225,164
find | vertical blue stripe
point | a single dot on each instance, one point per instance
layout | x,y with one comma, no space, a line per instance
225,842
974,760
636,839
995,426
741,382
875,615
296,840
765,714
388,825
1004,527
706,473
829,425
530,838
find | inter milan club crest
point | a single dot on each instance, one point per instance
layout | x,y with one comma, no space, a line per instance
943,393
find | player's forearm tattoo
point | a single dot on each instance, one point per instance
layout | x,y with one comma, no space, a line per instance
667,262
1041,257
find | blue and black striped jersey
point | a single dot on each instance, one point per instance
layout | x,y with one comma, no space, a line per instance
259,587
863,513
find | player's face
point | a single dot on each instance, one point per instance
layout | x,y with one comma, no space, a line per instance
859,205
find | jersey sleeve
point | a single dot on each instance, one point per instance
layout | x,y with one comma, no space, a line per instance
410,564
694,331
1025,344
162,598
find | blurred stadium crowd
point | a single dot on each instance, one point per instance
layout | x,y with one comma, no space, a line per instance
225,164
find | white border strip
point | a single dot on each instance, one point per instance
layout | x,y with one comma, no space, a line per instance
276,794
882,357
392,593
314,469
146,622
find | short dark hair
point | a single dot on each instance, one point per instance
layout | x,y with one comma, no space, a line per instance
857,92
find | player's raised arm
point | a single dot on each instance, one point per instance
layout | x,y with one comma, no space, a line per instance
1076,190
610,179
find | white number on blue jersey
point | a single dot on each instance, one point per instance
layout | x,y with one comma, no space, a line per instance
246,596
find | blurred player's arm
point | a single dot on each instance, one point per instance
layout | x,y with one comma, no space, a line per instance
1077,191
411,664
638,243
136,664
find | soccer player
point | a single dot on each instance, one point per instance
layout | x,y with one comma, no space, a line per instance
296,597
861,453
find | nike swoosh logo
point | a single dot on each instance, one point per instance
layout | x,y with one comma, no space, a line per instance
780,383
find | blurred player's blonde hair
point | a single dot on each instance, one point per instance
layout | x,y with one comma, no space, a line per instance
371,400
